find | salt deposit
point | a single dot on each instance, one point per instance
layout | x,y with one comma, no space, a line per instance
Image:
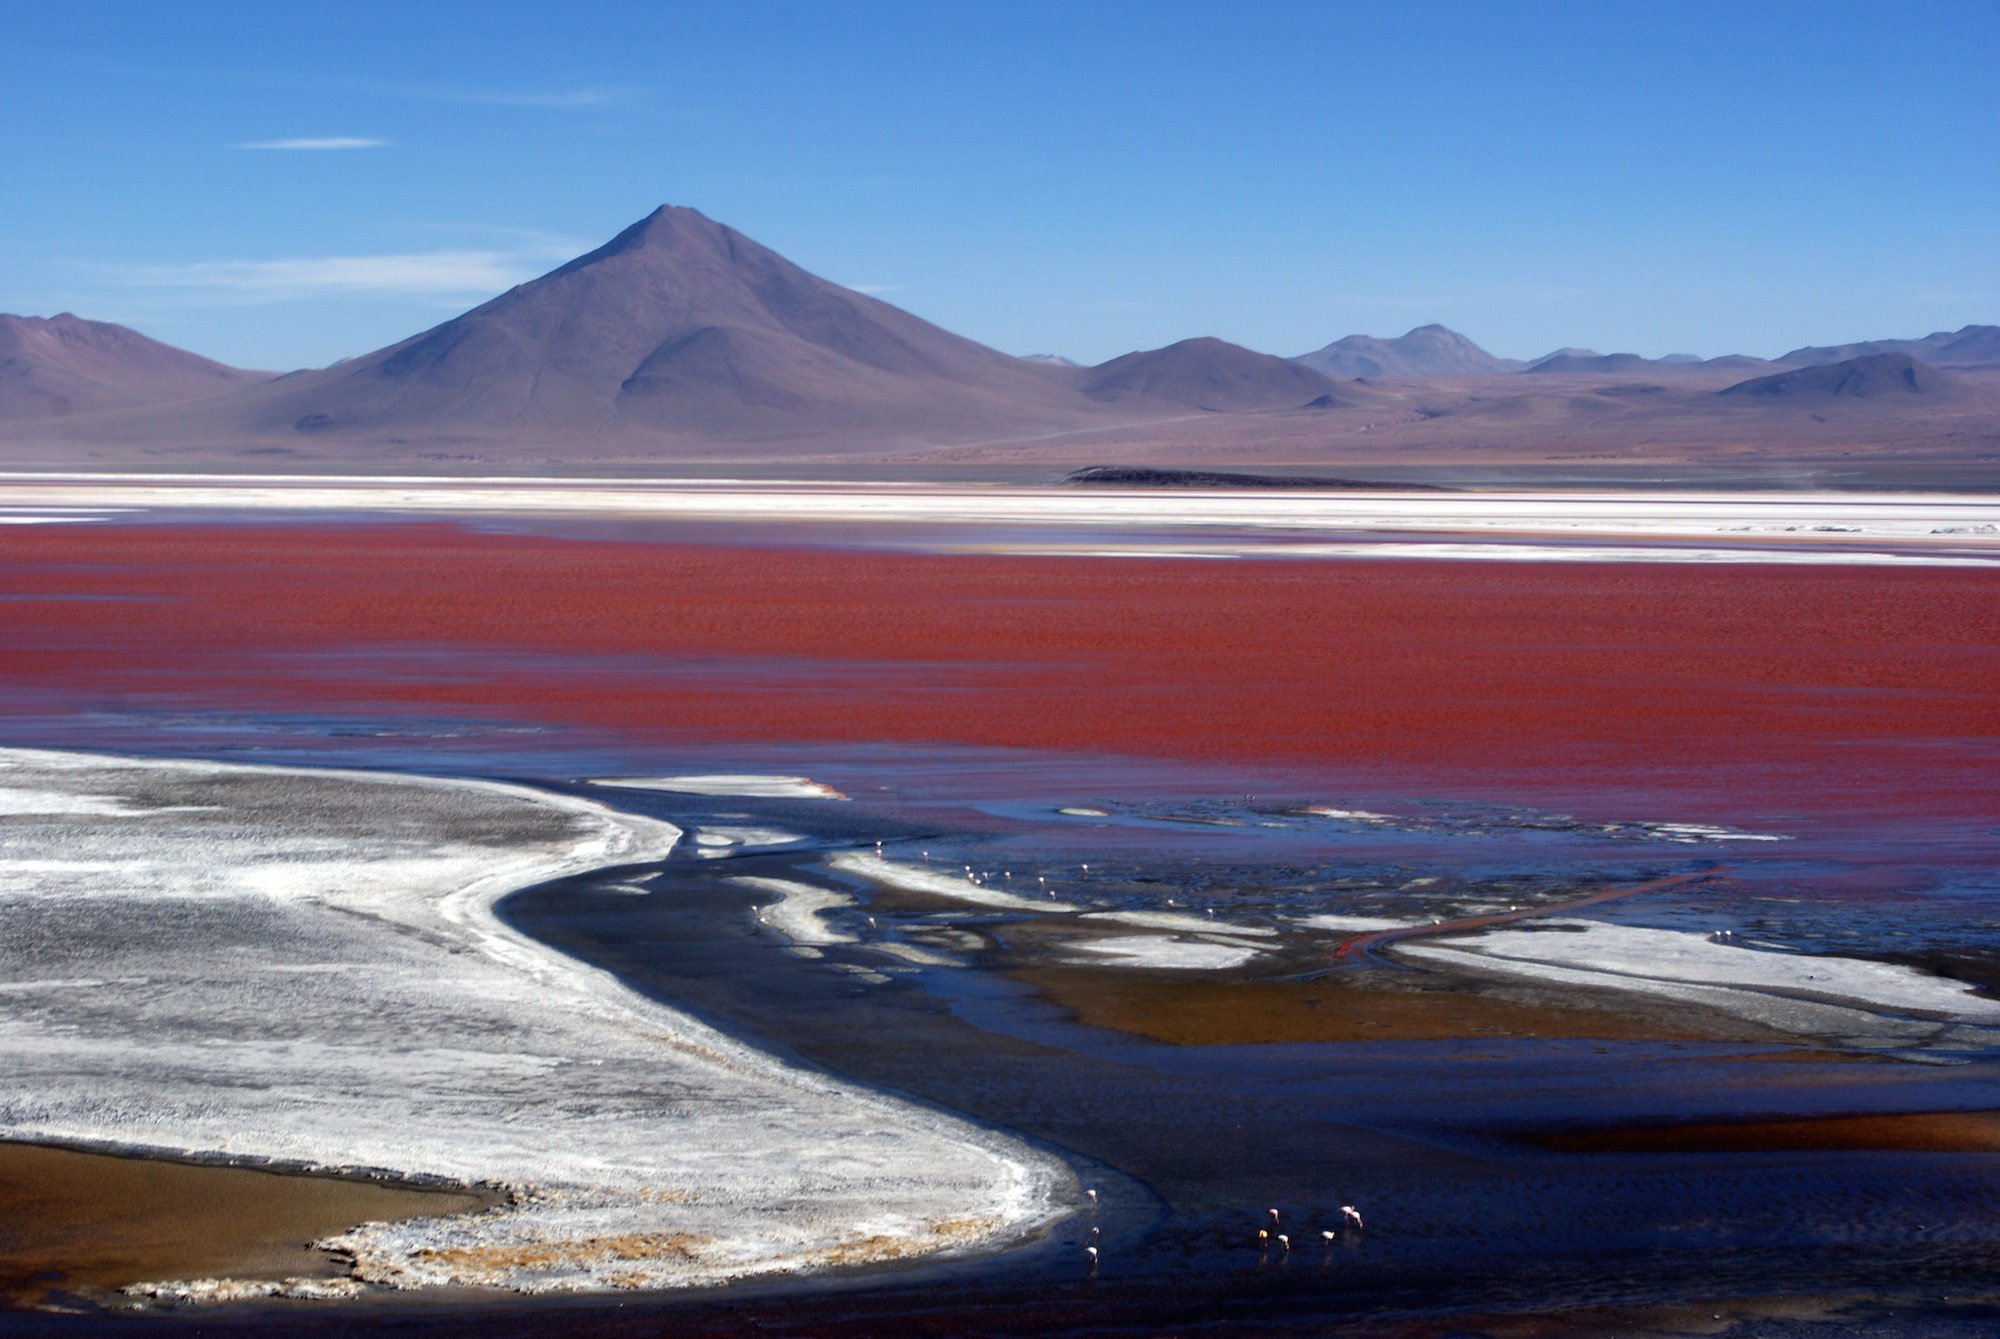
1794,992
1164,951
946,883
305,968
1333,921
1175,920
747,785
1648,526
799,912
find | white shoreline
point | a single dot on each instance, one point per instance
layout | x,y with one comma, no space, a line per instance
1687,526
643,1149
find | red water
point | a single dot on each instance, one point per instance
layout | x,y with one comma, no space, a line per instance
1743,691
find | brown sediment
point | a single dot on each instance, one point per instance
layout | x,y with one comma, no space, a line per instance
485,1260
74,1222
1902,1132
1220,1010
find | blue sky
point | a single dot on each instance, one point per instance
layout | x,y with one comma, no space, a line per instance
1082,178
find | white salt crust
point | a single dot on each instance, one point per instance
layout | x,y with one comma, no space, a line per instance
304,967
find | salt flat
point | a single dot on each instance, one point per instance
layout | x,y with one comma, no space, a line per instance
1877,528
1867,1004
305,967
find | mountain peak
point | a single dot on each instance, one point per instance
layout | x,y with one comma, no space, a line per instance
1209,374
677,326
1427,351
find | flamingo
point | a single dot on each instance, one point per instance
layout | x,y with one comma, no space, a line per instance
1353,1215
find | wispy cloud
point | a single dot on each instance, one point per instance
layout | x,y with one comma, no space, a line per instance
433,273
593,95
309,144
876,290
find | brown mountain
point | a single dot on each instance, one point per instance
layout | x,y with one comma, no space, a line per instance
1209,374
60,365
1427,351
1875,376
679,327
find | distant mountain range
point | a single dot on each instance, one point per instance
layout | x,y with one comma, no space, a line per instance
1970,346
682,339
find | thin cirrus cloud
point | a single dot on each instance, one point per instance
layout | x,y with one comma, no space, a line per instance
311,144
414,274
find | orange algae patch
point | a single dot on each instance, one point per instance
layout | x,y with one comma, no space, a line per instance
1906,1132
477,1261
1220,1012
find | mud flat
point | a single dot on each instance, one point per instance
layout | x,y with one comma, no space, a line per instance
302,969
79,1223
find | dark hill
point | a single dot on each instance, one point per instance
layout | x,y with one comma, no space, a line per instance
1209,374
1974,346
1873,377
1594,363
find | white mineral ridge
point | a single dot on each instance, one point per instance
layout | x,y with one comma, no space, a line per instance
1525,526
749,785
1165,951
1778,989
305,967
797,914
1335,921
946,883
1175,920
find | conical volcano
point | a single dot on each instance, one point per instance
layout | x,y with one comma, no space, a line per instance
677,326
